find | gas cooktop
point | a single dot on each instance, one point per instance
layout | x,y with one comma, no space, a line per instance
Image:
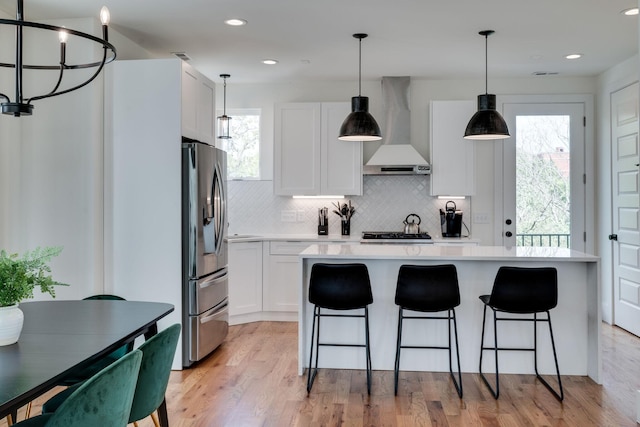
394,235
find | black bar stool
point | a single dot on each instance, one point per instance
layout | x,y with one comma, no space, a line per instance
339,287
522,291
429,288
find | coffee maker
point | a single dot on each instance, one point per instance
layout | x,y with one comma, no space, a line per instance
451,220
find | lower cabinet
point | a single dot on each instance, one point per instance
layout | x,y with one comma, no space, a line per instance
245,278
264,281
281,276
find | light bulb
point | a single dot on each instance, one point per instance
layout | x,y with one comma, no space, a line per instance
63,36
105,16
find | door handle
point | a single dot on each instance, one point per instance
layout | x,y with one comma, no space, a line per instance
613,237
508,234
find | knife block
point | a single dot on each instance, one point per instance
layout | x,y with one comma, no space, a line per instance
323,230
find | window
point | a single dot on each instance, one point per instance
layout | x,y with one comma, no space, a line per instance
243,150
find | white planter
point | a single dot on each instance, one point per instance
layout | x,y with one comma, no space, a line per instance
11,320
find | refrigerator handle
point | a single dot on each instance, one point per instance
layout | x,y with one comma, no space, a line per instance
218,200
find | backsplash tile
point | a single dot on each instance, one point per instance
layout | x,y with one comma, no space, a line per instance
387,200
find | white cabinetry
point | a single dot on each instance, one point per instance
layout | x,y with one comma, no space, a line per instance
309,158
452,156
282,276
148,107
245,278
198,100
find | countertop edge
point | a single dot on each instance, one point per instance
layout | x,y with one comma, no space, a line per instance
453,253
315,239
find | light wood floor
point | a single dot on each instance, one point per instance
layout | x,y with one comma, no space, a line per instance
251,380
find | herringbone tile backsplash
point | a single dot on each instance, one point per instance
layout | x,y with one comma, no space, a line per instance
387,200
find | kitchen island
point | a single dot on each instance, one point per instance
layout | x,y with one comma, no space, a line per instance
576,319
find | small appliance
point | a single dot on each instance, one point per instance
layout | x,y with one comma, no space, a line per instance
323,221
451,220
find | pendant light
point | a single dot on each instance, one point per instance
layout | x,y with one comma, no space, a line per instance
359,124
224,121
486,123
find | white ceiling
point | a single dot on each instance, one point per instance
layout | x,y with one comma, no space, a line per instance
312,39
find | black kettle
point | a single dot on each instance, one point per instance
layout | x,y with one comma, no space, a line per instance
451,220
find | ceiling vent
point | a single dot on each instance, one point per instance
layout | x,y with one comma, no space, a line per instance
182,55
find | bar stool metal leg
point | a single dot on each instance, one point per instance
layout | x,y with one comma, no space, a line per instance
315,336
451,317
367,348
458,383
397,365
494,392
559,396
312,376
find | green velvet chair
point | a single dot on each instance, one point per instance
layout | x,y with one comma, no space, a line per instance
88,371
157,357
103,400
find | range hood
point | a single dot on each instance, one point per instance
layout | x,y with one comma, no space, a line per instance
396,155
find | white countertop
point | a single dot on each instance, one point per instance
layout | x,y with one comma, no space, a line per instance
453,253
335,238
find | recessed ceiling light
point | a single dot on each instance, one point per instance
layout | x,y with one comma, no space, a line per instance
269,61
235,22
574,56
632,11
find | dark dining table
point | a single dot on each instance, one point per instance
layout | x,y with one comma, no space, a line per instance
59,337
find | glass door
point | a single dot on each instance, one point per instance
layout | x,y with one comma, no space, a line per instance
543,200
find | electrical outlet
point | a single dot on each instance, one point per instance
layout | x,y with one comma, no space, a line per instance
481,218
288,216
300,215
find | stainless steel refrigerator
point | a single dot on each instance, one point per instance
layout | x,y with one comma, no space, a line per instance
205,287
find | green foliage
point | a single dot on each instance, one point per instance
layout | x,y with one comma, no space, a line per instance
243,160
20,275
543,193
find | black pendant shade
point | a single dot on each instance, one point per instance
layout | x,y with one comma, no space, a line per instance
486,123
359,124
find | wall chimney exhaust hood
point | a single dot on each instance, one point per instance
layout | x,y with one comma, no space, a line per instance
396,155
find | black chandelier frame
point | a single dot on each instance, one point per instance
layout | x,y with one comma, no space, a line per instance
22,106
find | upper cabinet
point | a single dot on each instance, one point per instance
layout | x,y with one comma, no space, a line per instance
309,158
198,100
452,156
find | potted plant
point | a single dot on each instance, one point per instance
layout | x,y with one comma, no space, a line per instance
18,277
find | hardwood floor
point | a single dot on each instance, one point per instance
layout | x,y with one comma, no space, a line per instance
251,380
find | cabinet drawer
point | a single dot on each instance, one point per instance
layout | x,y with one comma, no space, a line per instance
287,248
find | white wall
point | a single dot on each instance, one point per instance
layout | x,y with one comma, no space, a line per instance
51,177
616,78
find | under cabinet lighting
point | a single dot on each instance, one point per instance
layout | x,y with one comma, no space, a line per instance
633,11
451,197
573,56
318,197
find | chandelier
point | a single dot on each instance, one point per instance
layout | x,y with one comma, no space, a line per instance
21,105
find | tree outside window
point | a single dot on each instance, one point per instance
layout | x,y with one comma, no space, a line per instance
243,149
543,180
